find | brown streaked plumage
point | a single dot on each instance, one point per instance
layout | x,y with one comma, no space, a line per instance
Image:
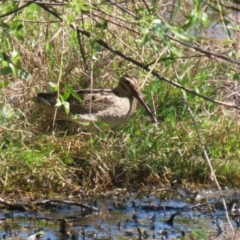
109,106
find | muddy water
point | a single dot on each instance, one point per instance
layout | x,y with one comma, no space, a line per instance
124,215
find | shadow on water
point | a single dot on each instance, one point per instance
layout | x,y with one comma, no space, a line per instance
163,214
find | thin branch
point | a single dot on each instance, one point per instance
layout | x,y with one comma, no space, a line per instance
82,50
145,67
206,52
15,10
123,9
46,3
213,175
147,7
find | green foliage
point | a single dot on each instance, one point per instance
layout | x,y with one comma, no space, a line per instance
9,57
102,42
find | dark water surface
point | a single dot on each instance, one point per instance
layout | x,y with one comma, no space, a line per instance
124,215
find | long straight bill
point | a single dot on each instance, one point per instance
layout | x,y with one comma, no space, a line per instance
140,99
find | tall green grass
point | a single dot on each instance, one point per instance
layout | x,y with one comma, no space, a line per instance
37,48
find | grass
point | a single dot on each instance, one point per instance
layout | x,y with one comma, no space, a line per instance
37,48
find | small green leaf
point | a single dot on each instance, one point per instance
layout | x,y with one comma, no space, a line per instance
66,107
4,84
24,75
7,112
19,36
68,19
41,232
155,86
101,124
14,53
105,25
6,70
53,85
13,69
19,27
4,63
73,92
14,24
102,25
235,27
204,19
66,95
58,103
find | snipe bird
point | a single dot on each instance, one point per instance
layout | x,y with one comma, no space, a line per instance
109,107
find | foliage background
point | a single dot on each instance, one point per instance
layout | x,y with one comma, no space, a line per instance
185,56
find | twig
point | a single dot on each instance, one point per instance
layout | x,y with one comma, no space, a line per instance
144,66
213,175
46,3
15,10
206,52
31,204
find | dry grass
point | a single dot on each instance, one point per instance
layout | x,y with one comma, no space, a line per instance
52,51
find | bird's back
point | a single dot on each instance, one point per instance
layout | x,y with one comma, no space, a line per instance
91,105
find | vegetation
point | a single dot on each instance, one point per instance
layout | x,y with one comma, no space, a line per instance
183,55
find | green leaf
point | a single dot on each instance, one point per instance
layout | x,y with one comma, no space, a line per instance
235,27
146,39
66,107
73,92
68,19
103,25
6,70
155,86
66,95
13,69
14,24
205,19
62,102
102,125
4,25
15,54
4,63
179,34
7,112
24,75
4,84
53,85
58,103
19,36
19,27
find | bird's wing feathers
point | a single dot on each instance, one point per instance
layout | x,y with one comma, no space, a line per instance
88,102
93,103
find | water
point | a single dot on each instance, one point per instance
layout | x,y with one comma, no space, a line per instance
123,215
